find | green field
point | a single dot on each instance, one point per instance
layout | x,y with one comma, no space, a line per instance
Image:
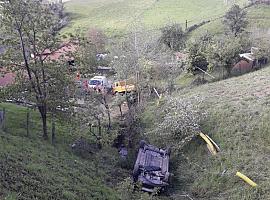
117,16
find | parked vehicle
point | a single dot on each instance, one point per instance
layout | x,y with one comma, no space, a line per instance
99,83
122,87
152,167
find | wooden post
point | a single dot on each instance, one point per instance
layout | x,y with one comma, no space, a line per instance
186,24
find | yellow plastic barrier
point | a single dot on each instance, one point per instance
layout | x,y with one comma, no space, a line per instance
215,144
246,179
210,146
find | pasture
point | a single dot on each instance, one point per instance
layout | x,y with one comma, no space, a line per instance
119,16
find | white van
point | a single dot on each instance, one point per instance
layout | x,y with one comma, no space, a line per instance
99,82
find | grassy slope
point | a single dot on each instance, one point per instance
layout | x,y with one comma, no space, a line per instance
33,169
238,120
115,16
258,17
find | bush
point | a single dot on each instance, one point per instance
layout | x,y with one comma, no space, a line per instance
180,122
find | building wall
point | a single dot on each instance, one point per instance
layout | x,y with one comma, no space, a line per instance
242,67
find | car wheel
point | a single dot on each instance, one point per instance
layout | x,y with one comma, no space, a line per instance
168,151
142,144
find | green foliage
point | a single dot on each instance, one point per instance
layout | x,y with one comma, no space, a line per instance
224,52
85,55
30,34
235,20
129,191
198,52
173,37
180,121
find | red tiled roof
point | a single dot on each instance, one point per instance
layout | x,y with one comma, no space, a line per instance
62,52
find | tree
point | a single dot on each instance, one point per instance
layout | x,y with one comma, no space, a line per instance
95,112
224,52
198,53
262,52
180,121
141,57
235,20
118,101
85,55
173,36
29,31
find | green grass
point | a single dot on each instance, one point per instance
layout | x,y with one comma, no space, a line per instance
238,109
31,168
258,18
117,16
238,120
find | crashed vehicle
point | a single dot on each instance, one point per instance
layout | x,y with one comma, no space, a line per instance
152,167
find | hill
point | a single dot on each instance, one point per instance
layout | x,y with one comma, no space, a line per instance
31,168
238,120
116,16
258,18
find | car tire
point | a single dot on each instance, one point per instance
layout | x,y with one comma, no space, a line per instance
168,151
142,144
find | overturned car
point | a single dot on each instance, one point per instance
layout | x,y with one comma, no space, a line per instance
151,168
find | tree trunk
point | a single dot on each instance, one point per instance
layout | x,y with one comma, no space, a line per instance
108,112
120,109
43,113
99,135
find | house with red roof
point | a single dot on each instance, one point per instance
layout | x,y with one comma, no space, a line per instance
8,78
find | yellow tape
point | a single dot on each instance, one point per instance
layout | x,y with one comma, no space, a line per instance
246,179
210,146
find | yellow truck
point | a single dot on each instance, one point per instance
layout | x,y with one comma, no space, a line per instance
122,87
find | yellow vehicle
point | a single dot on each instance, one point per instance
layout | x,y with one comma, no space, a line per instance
123,87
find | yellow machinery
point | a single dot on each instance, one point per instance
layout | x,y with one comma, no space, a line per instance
123,87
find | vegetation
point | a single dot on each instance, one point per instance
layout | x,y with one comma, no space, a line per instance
173,36
51,172
237,111
114,17
29,32
96,134
235,20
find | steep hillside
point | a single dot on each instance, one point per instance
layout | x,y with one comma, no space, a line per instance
31,168
238,120
116,16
